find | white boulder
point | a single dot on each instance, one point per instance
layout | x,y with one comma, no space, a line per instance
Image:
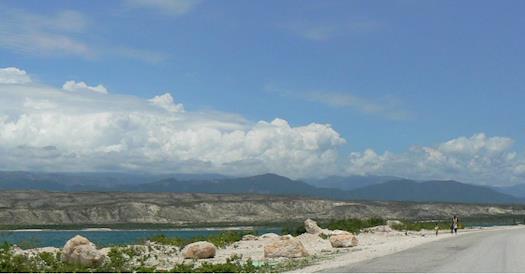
79,250
343,240
269,235
286,248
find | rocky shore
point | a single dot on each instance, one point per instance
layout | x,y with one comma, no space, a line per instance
317,249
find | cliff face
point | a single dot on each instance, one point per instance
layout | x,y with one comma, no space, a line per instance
45,208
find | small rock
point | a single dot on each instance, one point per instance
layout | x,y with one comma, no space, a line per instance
379,228
339,232
249,237
199,250
288,248
269,235
286,237
393,222
343,240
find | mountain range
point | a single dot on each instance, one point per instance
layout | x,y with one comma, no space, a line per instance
380,188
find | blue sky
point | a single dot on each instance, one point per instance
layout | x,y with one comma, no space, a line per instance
386,75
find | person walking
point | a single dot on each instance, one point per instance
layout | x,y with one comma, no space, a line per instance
436,228
455,223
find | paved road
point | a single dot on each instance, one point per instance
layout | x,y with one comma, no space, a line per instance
494,251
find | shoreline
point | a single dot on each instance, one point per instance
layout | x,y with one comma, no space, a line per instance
104,229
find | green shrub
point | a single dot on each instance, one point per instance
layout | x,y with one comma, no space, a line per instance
354,225
294,230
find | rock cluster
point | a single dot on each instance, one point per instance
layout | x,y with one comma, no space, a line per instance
79,250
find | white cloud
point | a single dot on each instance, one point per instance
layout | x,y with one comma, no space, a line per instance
46,128
82,86
477,159
43,35
13,75
166,102
64,33
169,7
322,31
386,107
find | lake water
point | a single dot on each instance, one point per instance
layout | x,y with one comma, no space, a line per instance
57,238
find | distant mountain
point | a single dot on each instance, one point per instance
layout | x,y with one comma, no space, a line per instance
85,181
271,184
432,191
515,190
350,182
261,184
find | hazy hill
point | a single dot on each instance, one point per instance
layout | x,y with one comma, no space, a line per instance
350,182
260,184
515,190
75,181
442,191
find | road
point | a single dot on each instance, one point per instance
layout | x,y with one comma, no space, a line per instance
491,251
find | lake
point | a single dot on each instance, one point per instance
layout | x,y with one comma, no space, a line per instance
57,238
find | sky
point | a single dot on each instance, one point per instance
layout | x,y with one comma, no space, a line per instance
419,89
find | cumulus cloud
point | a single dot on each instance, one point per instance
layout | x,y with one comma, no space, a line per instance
477,159
82,86
13,75
47,128
166,102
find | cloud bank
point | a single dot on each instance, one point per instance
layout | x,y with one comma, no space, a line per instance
477,159
47,128
79,128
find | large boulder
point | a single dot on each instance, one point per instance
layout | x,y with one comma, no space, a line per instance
287,248
311,227
79,250
343,240
199,250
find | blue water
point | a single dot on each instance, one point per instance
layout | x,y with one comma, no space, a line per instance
57,238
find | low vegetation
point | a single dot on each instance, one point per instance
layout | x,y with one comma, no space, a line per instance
418,226
219,240
352,224
120,260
